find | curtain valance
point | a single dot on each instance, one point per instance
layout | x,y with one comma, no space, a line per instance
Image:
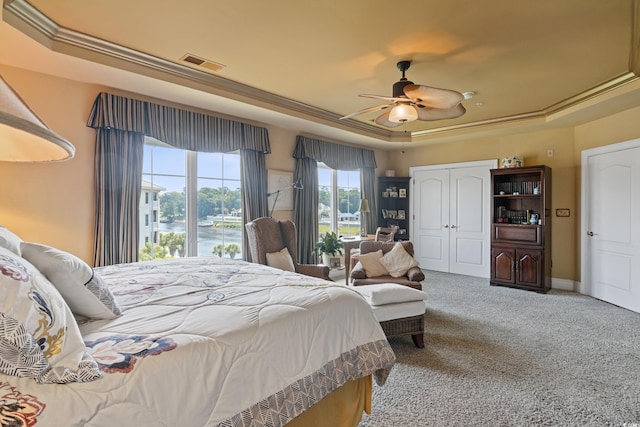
336,156
183,129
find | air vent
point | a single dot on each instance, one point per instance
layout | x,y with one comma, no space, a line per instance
201,62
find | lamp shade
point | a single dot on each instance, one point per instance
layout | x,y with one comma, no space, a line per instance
364,206
403,113
23,136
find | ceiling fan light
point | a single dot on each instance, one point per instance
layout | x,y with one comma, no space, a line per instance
402,114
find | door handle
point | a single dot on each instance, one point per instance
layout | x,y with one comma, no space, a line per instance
591,233
445,225
453,226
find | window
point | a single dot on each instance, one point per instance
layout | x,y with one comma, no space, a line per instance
338,201
196,209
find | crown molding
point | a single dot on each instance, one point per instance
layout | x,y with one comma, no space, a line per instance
41,28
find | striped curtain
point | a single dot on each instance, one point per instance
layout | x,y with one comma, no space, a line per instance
254,192
121,124
118,180
307,153
305,208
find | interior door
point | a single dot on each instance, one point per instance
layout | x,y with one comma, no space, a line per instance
612,227
450,205
469,235
431,225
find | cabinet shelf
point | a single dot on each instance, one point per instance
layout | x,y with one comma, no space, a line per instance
521,251
393,204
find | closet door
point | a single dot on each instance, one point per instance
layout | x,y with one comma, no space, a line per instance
451,226
431,225
469,223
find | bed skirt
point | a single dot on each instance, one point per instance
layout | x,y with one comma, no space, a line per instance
342,408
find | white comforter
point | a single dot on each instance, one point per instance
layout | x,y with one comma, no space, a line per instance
207,342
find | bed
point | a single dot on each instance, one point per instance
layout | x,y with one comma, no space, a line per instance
192,341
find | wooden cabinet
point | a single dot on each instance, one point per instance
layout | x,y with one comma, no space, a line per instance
521,228
393,204
520,267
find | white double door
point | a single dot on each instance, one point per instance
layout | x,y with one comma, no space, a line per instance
611,224
451,221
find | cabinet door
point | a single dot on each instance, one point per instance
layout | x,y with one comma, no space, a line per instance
503,265
529,267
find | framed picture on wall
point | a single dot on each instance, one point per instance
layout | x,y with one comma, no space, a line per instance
280,180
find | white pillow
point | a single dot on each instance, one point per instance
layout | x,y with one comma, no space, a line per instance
82,288
398,261
281,260
9,240
371,264
389,293
39,337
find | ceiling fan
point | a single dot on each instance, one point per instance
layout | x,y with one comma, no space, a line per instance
414,102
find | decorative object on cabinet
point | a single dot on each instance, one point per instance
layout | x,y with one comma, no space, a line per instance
393,204
521,227
512,162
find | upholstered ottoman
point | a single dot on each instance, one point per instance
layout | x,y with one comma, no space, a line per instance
399,309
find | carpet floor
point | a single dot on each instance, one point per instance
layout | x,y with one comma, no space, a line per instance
497,356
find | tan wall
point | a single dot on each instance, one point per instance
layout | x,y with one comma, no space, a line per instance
533,148
54,203
617,128
567,145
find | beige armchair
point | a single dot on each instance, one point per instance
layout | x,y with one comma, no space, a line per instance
268,236
413,277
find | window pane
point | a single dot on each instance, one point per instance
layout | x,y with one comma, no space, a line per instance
348,202
163,160
218,216
210,165
324,199
165,234
219,205
338,201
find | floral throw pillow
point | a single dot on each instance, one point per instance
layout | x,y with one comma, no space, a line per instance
82,288
39,337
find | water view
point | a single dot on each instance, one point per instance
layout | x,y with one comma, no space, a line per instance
208,237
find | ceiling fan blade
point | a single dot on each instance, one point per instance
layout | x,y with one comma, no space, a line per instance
383,120
433,97
367,110
428,114
386,98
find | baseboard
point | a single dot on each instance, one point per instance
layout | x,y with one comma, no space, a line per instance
563,284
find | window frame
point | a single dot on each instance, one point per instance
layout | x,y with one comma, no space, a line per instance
191,177
335,207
